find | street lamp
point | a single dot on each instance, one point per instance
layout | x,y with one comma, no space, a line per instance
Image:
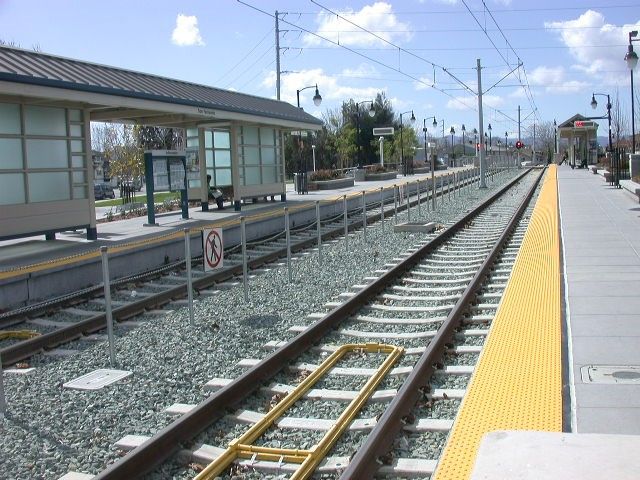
317,99
452,132
371,112
464,147
413,120
632,60
475,140
594,104
433,160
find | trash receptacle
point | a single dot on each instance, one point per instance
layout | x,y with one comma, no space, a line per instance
300,182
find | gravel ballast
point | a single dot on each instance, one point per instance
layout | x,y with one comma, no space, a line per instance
50,430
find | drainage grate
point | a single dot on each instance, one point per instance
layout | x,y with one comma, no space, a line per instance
628,374
97,379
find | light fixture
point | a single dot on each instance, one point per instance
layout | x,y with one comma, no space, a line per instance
435,124
317,99
413,118
594,103
372,111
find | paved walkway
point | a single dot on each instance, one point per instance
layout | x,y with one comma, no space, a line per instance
601,237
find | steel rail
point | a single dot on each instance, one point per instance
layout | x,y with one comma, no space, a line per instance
25,349
167,441
380,439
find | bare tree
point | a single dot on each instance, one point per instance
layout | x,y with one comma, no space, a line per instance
619,121
544,137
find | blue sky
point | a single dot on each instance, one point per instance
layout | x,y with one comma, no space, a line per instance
568,50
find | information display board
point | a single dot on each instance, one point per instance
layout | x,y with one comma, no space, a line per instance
165,170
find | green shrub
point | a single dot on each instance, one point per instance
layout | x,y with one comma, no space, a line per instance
320,175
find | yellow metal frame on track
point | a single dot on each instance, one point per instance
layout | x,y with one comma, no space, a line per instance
517,384
308,459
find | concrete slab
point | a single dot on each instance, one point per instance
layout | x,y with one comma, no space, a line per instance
549,456
605,325
603,420
601,241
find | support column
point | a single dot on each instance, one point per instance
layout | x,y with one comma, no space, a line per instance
235,166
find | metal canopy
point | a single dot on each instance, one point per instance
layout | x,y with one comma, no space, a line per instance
115,94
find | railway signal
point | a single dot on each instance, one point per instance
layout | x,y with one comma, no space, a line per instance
519,144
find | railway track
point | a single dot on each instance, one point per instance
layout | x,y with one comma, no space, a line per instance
80,315
433,306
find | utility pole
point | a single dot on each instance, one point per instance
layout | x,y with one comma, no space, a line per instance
483,158
277,58
519,137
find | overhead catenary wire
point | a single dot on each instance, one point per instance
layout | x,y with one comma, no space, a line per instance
246,55
264,54
400,49
417,79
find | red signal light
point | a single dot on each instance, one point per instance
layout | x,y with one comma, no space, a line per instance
519,144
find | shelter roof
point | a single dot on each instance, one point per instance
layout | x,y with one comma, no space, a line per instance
40,69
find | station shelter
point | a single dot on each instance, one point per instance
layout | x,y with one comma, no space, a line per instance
581,134
47,103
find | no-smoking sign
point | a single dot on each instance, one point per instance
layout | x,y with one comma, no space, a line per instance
213,249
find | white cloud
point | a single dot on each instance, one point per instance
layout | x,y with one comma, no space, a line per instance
378,18
186,32
591,29
330,87
553,80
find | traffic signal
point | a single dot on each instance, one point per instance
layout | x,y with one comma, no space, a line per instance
519,144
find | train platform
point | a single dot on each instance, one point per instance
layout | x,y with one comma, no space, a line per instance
560,371
32,254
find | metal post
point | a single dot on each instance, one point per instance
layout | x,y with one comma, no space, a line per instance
187,262
245,273
395,205
364,215
382,208
346,226
107,302
441,189
319,232
277,58
287,231
418,190
427,190
406,192
449,186
483,155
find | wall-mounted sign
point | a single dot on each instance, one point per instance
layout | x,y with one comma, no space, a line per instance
583,124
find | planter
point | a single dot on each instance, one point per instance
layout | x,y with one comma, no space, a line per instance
372,177
331,184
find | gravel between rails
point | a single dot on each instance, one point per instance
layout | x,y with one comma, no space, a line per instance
50,430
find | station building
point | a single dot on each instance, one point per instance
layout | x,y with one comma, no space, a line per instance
581,134
47,103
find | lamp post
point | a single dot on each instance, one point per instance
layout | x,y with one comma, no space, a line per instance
464,146
372,112
594,104
452,132
506,145
313,150
475,140
317,100
424,130
490,144
413,120
632,60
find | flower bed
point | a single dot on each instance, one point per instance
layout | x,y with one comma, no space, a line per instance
331,184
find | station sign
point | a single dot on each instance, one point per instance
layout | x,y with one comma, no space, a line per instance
383,131
583,124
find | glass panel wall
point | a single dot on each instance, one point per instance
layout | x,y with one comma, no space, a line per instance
260,160
44,160
217,144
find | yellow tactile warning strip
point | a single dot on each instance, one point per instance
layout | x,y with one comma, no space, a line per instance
517,384
84,256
